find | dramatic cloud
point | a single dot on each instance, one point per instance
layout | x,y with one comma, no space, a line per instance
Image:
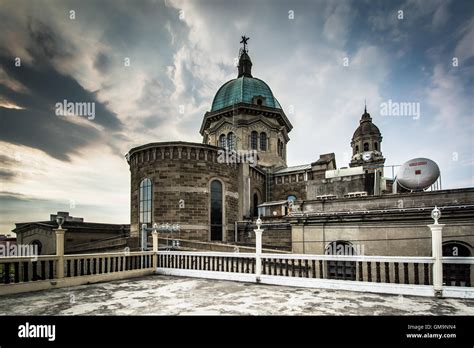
33,121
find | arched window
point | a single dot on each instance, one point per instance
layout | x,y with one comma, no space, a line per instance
376,146
291,198
357,149
341,269
278,147
259,101
231,141
37,246
222,141
253,140
366,146
145,202
456,274
255,204
216,210
263,141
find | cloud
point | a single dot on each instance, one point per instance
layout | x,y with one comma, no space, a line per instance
338,20
465,47
36,124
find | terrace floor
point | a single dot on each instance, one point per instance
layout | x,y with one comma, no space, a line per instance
166,295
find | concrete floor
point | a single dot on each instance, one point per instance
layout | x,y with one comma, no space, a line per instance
164,295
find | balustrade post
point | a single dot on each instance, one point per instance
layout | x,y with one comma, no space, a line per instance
258,250
437,252
60,251
155,249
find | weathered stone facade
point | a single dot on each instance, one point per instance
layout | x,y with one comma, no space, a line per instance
182,172
78,234
386,225
277,235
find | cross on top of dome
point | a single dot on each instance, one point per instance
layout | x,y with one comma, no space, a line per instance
245,41
245,64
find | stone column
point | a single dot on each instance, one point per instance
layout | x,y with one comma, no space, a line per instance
155,249
437,253
60,252
258,250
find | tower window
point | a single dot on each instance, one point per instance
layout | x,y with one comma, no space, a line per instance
366,146
216,209
263,141
231,141
145,201
253,140
376,146
38,246
222,141
259,101
255,204
357,149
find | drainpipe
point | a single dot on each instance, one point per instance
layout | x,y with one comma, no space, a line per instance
235,232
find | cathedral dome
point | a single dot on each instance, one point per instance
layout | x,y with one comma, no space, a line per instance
366,127
244,89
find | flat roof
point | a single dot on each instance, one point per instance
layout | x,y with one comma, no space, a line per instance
299,168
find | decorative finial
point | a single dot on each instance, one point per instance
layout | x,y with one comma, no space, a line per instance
436,214
60,221
365,106
244,41
259,222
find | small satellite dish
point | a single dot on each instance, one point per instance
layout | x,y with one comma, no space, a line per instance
418,174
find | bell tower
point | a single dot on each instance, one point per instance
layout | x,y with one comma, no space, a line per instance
367,145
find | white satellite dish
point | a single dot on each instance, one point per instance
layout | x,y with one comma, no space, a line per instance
418,174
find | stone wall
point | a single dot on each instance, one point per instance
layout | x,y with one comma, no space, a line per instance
276,235
257,185
336,186
291,187
308,190
47,238
392,201
183,171
394,225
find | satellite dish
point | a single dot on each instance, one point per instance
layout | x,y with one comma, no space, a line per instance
418,174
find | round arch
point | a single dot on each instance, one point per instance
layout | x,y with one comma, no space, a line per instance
456,274
216,209
256,200
340,269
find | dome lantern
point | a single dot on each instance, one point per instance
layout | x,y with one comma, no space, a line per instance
245,63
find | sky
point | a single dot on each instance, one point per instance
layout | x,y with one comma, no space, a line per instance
152,69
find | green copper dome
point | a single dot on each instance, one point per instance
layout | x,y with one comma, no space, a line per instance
242,90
